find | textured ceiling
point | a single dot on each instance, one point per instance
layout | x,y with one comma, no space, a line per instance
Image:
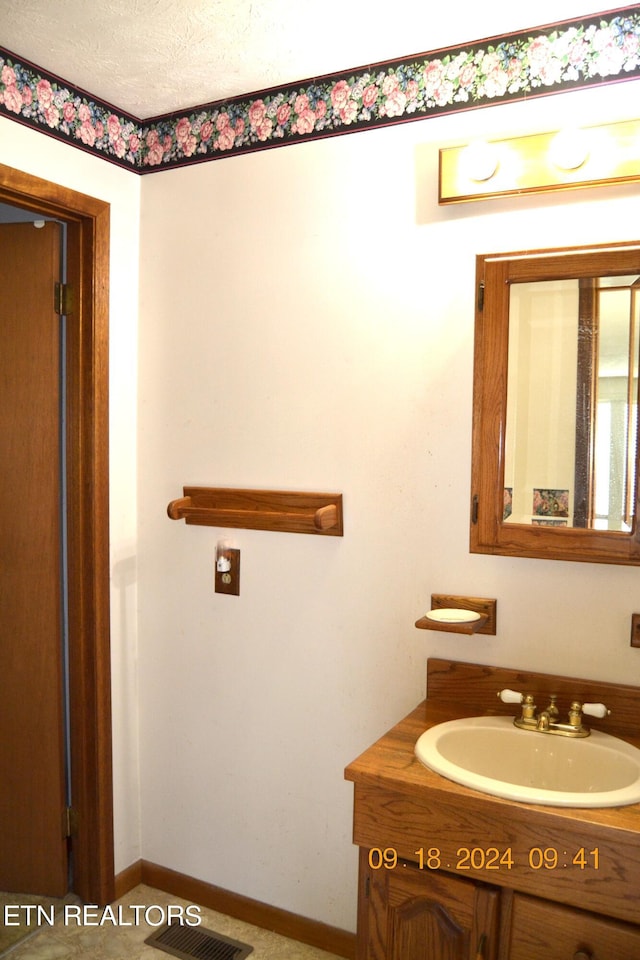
150,57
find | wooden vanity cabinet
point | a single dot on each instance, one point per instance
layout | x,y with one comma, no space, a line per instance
408,913
539,928
411,914
447,873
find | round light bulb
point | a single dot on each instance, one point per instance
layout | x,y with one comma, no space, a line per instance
569,149
479,161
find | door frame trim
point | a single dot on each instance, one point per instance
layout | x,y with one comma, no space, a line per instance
88,222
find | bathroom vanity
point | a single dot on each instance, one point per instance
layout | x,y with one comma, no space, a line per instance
449,873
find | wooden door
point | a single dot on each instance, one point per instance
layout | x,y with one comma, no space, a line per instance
33,848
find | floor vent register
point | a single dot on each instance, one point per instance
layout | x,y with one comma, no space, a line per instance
196,943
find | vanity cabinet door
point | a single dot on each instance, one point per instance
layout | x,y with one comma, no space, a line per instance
410,914
543,929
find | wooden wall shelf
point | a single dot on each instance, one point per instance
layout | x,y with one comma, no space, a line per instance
283,510
486,608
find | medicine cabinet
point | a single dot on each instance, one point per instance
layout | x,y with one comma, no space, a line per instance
555,404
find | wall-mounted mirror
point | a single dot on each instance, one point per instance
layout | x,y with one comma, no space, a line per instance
555,425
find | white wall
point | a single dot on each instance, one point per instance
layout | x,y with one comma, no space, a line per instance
307,323
41,156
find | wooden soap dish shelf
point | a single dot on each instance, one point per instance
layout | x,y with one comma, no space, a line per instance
282,510
487,610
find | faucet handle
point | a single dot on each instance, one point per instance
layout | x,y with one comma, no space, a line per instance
510,696
595,709
578,710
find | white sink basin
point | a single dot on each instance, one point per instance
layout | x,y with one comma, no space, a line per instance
490,754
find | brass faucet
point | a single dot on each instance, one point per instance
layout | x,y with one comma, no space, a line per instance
547,720
549,716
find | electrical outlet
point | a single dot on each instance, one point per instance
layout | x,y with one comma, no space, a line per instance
228,580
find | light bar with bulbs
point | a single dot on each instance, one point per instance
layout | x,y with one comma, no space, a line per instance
562,160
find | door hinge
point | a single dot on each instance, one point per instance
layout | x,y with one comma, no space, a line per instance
69,822
480,297
63,299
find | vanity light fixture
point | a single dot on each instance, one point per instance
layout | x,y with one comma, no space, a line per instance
559,160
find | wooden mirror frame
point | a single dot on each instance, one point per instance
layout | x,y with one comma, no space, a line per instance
489,534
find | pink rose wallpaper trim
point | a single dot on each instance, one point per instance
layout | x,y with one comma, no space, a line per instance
53,106
594,50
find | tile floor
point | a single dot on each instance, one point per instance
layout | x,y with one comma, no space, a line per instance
17,920
71,940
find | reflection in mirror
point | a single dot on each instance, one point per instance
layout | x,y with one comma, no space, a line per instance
611,506
572,391
555,420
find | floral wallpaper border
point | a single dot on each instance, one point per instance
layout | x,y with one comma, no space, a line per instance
597,49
